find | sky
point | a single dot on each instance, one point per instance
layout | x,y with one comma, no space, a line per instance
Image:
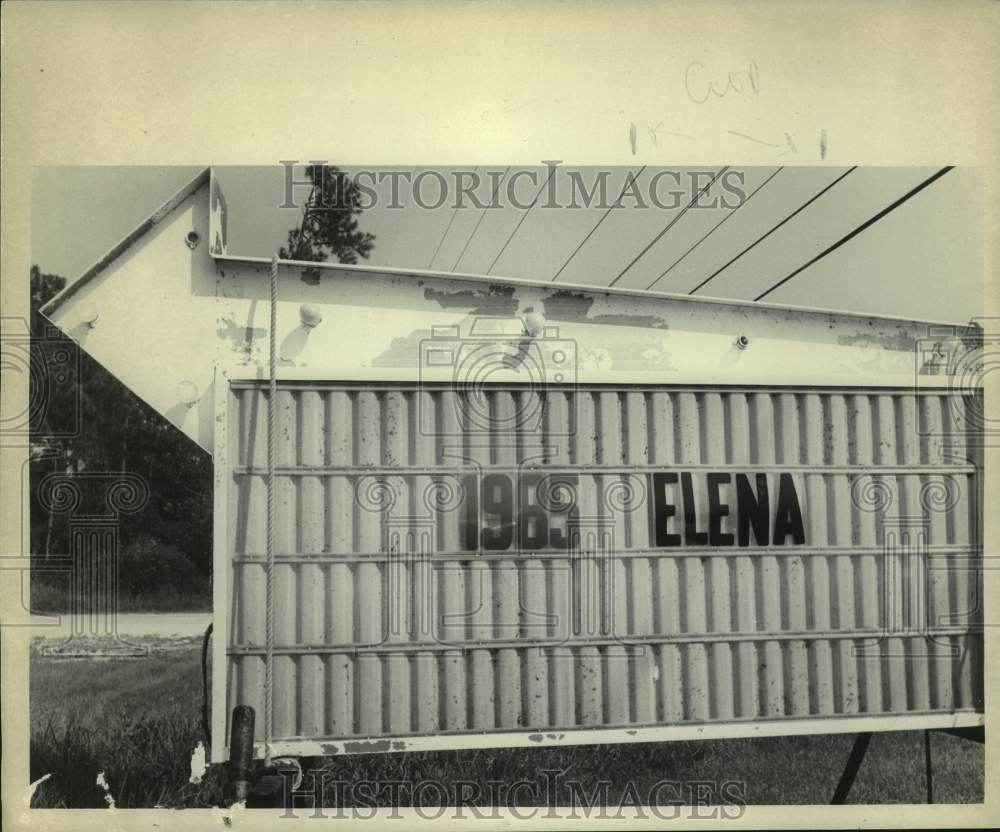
922,260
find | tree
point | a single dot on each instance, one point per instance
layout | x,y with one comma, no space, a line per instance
44,287
89,421
329,225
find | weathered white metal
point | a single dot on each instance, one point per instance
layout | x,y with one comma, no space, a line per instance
396,626
169,315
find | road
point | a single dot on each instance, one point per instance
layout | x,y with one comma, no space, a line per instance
181,624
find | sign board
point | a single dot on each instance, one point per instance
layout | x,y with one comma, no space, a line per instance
518,512
514,564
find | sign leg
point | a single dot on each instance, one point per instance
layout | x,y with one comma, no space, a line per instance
854,761
927,766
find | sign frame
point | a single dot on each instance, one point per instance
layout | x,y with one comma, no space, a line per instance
304,746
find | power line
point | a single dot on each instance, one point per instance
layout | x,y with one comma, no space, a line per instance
860,228
669,225
759,240
441,241
524,216
714,227
631,178
482,216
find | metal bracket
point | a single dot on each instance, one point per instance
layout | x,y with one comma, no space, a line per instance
857,756
854,760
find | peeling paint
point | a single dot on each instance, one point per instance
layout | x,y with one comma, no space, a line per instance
543,737
574,307
242,337
645,351
364,746
567,306
199,763
648,321
403,352
494,300
310,276
897,342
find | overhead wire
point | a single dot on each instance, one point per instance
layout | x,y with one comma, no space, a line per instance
763,237
520,222
714,228
482,216
866,224
631,178
446,230
669,225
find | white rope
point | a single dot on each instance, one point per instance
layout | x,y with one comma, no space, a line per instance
272,402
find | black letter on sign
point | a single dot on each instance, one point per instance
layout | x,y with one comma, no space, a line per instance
498,501
752,509
564,516
716,511
470,520
532,521
788,517
663,511
692,537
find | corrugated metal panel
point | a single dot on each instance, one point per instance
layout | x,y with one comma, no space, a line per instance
393,621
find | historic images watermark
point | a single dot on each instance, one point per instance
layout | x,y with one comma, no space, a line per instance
89,503
50,410
493,187
963,356
908,567
550,796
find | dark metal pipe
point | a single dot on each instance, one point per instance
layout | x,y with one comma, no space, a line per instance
206,723
241,752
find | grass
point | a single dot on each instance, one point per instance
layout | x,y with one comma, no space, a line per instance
49,599
138,720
